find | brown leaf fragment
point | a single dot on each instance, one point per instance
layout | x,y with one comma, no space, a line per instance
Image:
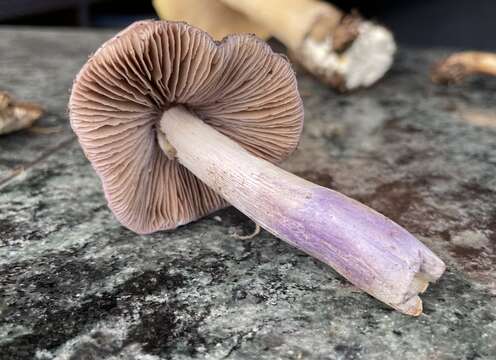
17,115
456,67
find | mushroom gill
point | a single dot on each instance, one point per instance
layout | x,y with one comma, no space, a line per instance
238,86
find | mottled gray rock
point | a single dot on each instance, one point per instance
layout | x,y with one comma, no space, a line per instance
74,284
36,65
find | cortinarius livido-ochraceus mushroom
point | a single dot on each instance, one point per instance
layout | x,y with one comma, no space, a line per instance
342,50
178,126
458,66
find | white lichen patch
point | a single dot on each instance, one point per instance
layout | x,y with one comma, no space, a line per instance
474,239
8,332
105,340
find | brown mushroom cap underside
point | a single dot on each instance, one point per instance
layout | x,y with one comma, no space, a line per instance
238,86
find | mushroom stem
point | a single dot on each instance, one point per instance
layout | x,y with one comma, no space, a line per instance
342,50
291,21
371,251
456,67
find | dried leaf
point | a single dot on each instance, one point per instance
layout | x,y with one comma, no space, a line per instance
17,115
456,67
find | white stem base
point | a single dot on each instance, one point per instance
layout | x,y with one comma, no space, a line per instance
366,61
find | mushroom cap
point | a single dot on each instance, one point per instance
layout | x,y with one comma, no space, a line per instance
211,16
238,86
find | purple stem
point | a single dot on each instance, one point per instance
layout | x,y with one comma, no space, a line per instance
371,251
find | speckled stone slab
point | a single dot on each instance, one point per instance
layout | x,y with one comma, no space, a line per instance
74,284
39,65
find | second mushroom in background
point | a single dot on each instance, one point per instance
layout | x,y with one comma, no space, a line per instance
342,50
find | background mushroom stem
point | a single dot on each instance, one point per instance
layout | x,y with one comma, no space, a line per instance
371,251
289,20
457,66
342,50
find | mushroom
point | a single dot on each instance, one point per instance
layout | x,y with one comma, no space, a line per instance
17,115
178,126
342,50
459,65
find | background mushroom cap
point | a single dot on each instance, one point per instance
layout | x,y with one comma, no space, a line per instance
238,86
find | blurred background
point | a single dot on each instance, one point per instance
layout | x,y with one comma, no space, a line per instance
425,23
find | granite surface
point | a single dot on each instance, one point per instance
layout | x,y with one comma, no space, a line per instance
74,284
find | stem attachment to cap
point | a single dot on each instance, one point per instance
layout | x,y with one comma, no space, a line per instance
165,145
